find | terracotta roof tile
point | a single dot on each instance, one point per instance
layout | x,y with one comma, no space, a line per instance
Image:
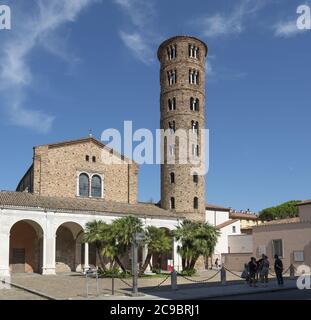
96,206
240,215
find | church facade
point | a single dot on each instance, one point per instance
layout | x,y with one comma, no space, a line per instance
68,185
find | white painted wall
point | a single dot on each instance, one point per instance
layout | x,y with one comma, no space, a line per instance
215,217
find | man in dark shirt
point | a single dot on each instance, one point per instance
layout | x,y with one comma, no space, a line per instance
252,269
278,268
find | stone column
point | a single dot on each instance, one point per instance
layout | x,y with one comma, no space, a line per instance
4,254
176,256
49,254
86,256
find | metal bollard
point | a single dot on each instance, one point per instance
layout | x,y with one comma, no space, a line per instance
292,272
112,285
223,276
174,285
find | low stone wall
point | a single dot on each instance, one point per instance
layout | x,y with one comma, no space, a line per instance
236,261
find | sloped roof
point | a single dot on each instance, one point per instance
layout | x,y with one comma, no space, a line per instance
81,205
280,221
303,203
226,223
210,206
241,215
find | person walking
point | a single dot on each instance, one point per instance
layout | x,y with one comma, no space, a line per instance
252,268
264,270
245,273
278,268
216,263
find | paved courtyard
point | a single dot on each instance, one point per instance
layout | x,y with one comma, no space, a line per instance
74,285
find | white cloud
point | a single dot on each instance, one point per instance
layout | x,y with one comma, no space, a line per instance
16,76
232,23
287,29
138,46
140,41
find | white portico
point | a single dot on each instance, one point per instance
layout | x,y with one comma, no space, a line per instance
44,234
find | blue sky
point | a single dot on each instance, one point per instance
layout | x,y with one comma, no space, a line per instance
67,66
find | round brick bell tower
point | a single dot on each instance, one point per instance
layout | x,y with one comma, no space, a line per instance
182,103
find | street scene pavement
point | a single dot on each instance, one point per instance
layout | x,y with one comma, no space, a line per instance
75,286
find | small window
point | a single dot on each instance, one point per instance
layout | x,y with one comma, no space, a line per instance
172,126
196,203
172,177
84,185
96,187
193,76
194,104
172,104
195,126
195,178
195,150
172,77
172,203
94,159
193,51
171,52
87,158
277,247
233,229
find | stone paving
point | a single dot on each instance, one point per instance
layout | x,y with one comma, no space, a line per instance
73,285
18,294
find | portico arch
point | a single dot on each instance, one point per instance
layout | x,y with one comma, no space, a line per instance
26,247
160,261
68,247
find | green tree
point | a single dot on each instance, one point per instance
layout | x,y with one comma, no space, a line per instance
122,231
157,241
285,210
96,233
196,239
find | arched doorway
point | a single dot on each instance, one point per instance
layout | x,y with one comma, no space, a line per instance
68,247
26,247
161,261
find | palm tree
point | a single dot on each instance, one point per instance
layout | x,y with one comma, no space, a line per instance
197,239
157,241
122,232
96,232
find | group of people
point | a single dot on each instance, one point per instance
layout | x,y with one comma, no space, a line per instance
259,269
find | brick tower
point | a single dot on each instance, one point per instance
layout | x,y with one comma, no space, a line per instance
182,103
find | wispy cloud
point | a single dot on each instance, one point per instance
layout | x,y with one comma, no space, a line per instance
287,29
226,24
16,76
141,39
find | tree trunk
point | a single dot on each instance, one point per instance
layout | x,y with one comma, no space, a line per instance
146,263
101,258
120,263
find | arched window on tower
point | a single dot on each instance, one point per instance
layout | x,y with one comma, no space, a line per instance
172,126
193,51
172,77
196,203
195,127
172,177
172,203
194,104
195,178
171,52
172,104
96,187
84,185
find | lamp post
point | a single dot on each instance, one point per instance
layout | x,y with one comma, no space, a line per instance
137,237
